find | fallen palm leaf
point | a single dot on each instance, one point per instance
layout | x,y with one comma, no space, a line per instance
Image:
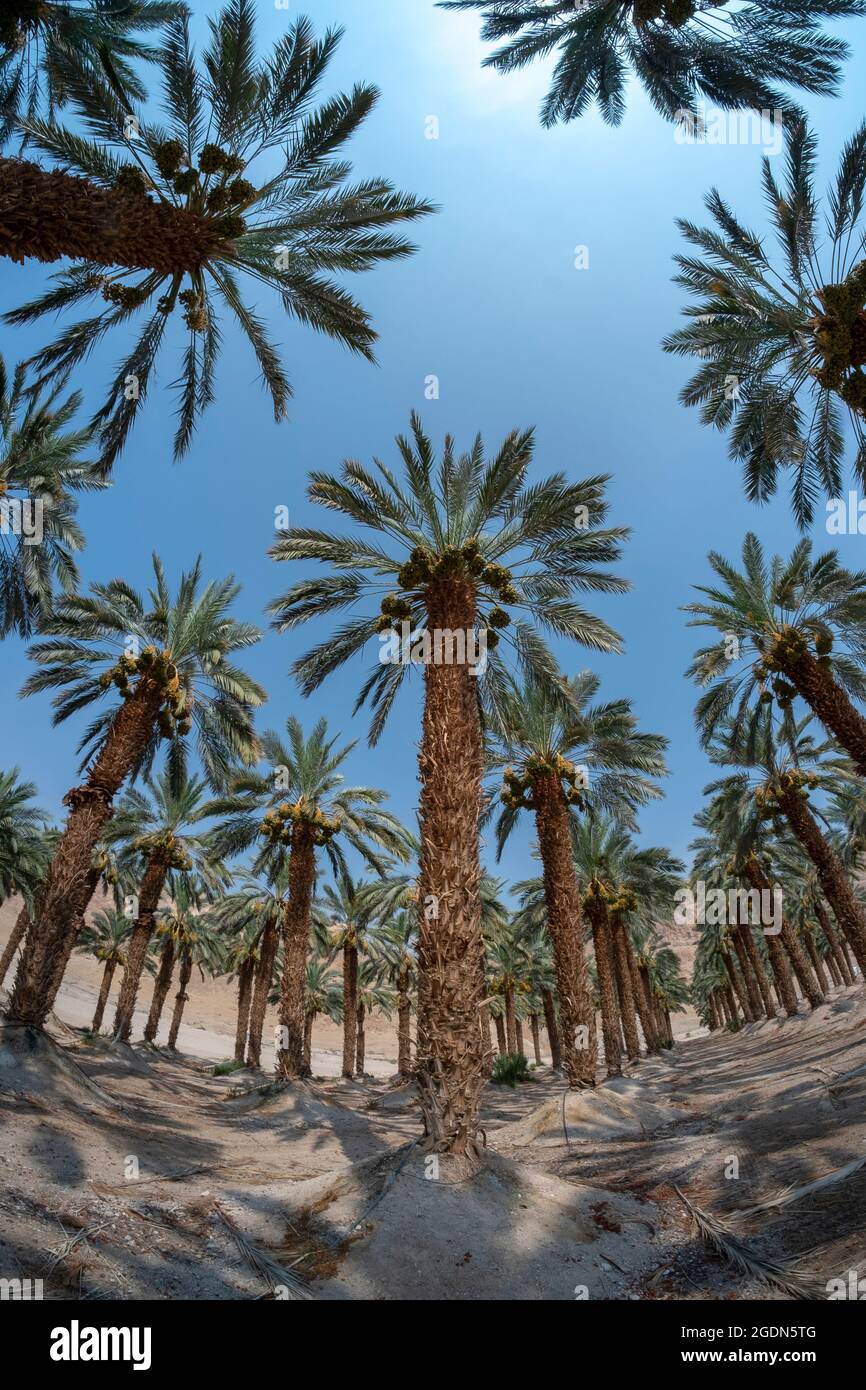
796,1283
793,1194
275,1274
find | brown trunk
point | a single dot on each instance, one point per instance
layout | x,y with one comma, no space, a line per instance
500,1035
733,1012
142,930
69,883
404,1015
104,989
737,937
627,1002
577,1035
597,913
48,215
837,946
644,1011
831,704
308,1042
16,936
489,1050
669,1027
518,1029
296,937
831,872
832,967
510,1019
759,974
738,988
817,963
715,1017
361,1050
245,999
536,1038
350,1009
161,986
778,958
552,1026
451,984
264,979
179,999
806,977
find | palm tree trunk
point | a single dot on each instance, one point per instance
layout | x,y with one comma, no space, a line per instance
360,1052
152,885
756,1007
16,936
597,914
641,1000
350,1009
715,1017
552,1026
518,1032
830,703
48,215
510,1018
451,984
246,973
817,963
738,988
308,1042
577,1033
627,1002
296,937
104,988
69,883
404,1015
732,1007
180,999
831,872
806,977
264,979
536,1038
778,958
837,946
500,1035
743,934
161,986
833,968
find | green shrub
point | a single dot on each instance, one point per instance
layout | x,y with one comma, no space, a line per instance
511,1068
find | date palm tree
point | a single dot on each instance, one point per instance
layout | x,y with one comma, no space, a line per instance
447,551
196,942
199,204
562,755
42,466
169,661
105,937
25,852
157,830
780,326
39,38
508,961
398,937
374,995
323,992
250,919
299,807
785,629
679,50
345,912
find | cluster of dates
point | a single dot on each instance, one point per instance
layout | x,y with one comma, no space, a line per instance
158,667
278,824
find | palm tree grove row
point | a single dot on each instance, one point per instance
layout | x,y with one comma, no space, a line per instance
196,193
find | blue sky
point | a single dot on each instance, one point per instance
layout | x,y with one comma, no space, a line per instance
493,306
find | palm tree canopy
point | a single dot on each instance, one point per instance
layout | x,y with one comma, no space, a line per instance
162,816
94,642
679,50
779,326
24,849
304,785
105,935
42,465
804,599
287,227
39,41
474,522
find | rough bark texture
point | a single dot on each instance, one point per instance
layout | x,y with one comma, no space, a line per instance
739,988
296,936
778,958
625,990
519,1032
578,1049
641,1002
308,1042
16,936
179,999
536,1038
161,986
836,946
831,704
451,986
246,973
817,963
48,215
404,1015
104,990
361,1049
831,872
759,974
150,893
69,884
350,1009
510,1019
756,1007
264,978
501,1040
597,913
551,1023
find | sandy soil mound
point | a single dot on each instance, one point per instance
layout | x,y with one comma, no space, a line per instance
35,1068
400,1226
621,1109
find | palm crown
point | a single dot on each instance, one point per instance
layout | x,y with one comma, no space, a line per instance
24,849
474,526
165,818
782,335
41,467
115,636
286,227
677,49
